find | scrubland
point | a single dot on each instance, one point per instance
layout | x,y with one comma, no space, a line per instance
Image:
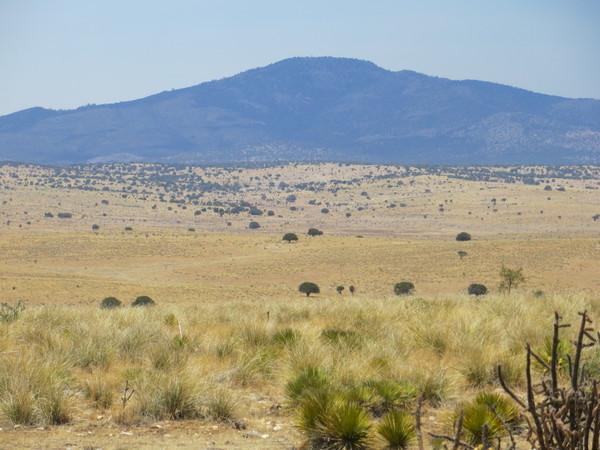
221,360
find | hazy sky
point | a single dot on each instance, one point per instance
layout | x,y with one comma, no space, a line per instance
62,54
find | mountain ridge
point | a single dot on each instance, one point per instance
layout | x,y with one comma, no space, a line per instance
323,108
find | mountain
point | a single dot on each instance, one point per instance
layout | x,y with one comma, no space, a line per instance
326,109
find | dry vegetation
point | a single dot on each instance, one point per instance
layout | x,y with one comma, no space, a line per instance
230,330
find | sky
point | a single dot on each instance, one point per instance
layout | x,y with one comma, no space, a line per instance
62,54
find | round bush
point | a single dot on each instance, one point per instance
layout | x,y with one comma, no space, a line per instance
254,225
477,289
464,236
309,288
110,302
404,288
143,300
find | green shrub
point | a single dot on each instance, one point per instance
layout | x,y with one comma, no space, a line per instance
477,289
309,288
404,288
110,303
254,225
143,300
464,236
290,237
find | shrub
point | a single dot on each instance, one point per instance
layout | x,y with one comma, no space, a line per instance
352,289
95,227
143,300
64,215
464,236
404,288
314,232
290,237
309,288
511,278
254,225
325,210
462,254
110,302
477,289
10,313
128,229
339,289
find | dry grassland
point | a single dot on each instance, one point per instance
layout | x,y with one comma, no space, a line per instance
229,291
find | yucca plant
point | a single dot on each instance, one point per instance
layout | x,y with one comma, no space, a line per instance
345,426
489,409
390,394
310,379
397,429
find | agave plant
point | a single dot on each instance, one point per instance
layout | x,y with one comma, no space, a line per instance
397,429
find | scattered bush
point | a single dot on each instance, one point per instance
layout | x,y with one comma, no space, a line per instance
110,302
477,289
464,236
253,225
64,215
404,288
10,313
309,288
314,232
143,300
290,237
95,227
339,289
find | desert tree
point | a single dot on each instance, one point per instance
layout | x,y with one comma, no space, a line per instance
352,289
510,278
309,288
290,237
339,289
462,254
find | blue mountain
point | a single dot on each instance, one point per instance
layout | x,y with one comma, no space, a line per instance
316,109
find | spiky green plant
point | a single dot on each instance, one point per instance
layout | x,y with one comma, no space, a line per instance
390,394
310,379
397,429
490,409
345,426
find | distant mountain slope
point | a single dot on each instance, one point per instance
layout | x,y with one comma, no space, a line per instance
326,108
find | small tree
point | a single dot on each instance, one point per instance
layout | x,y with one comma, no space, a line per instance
314,232
290,237
110,303
464,236
143,300
477,289
309,288
404,288
254,225
339,289
462,254
511,278
352,289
